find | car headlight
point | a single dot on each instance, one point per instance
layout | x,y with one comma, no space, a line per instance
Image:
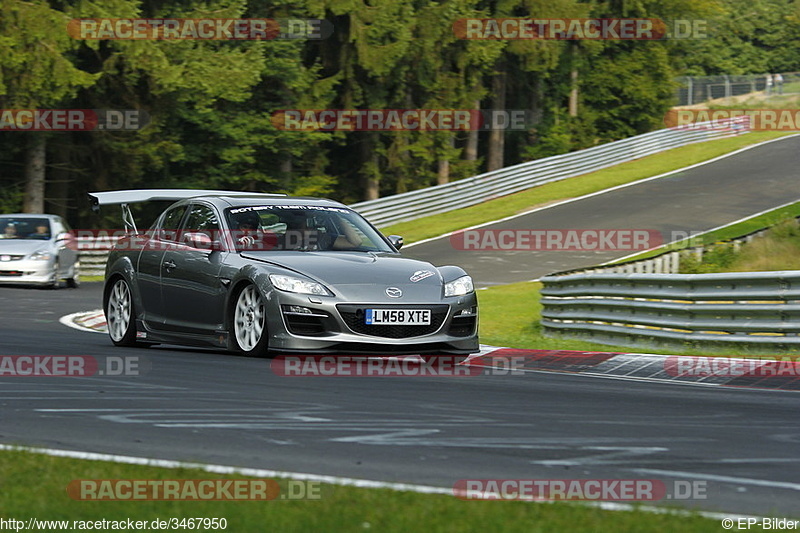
41,255
301,286
459,287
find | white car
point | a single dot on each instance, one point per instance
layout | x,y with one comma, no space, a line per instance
37,250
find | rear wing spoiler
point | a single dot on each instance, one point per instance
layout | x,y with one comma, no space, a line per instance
133,196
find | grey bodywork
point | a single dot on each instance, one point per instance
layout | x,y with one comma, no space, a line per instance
184,294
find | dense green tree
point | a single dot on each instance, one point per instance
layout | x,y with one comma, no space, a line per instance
211,103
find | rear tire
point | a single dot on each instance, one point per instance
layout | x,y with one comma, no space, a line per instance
120,314
249,323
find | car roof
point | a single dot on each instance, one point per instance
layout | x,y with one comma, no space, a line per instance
30,215
240,201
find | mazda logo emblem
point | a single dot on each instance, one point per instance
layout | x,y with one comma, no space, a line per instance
393,292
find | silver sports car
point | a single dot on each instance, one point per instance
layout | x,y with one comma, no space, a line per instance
259,273
37,250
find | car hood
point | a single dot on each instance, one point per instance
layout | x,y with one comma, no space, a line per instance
21,246
344,271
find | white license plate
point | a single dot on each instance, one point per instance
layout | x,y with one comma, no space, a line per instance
398,317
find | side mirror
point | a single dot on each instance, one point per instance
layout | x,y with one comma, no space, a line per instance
396,240
200,240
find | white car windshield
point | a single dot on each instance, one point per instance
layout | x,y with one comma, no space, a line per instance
302,228
32,228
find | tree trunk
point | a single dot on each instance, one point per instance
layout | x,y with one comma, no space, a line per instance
369,166
35,156
494,159
443,174
573,78
371,187
471,149
286,166
58,200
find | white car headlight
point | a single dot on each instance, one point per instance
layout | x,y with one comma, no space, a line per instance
459,287
301,286
41,255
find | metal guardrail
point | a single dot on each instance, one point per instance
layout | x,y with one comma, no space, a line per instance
669,261
93,253
477,189
748,308
93,262
483,187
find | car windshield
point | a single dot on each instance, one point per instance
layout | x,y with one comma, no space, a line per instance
303,228
25,228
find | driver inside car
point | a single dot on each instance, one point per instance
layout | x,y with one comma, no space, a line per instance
248,229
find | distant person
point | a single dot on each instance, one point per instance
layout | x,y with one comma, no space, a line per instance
778,78
249,234
768,88
42,232
10,232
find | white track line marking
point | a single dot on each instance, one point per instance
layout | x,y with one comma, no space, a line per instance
69,321
335,480
622,259
604,191
722,479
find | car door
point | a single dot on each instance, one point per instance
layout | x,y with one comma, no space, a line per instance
192,291
163,235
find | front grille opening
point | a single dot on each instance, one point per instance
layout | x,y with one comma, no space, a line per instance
462,326
310,322
353,316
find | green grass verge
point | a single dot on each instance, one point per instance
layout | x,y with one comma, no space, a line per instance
510,316
731,231
35,485
778,248
653,165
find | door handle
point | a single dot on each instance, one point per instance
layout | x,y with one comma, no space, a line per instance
169,265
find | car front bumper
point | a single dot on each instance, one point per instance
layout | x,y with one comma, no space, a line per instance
26,272
333,326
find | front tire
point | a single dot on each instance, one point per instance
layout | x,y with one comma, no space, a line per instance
55,283
249,320
120,315
74,281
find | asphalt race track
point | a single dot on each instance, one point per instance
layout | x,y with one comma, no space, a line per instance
695,200
208,406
